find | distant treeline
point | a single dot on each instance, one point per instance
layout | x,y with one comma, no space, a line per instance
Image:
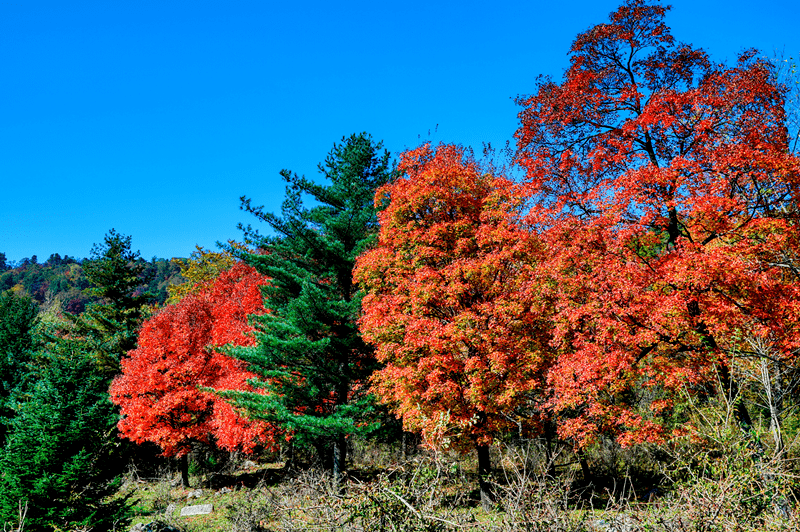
59,284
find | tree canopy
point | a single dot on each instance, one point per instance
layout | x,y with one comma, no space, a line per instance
450,305
663,189
161,392
116,275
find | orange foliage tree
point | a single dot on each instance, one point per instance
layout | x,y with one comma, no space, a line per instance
666,197
450,301
159,390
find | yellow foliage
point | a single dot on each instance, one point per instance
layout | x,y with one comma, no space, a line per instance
200,270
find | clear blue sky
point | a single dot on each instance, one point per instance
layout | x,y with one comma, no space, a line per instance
153,117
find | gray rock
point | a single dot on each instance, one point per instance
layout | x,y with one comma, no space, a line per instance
195,494
621,523
154,526
198,509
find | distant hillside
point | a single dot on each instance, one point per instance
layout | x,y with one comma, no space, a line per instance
59,284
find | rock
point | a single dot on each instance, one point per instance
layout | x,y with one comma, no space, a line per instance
171,507
620,523
195,494
154,526
249,464
224,490
198,509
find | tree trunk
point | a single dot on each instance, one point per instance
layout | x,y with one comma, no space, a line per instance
183,465
550,448
339,460
324,454
587,473
339,442
287,454
484,470
409,445
772,378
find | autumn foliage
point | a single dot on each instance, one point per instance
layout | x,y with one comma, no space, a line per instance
158,390
665,195
657,242
450,299
631,279
650,244
201,271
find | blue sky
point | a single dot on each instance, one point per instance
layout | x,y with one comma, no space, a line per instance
154,117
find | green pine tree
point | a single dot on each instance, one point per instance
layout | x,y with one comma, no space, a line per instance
18,321
117,276
62,456
309,354
60,448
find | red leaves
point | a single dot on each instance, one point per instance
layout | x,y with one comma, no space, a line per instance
158,389
449,298
662,184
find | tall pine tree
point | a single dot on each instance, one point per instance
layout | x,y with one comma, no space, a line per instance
118,276
309,354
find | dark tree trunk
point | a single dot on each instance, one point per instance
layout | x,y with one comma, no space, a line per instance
287,454
484,470
550,448
408,443
339,460
183,465
340,442
324,454
587,473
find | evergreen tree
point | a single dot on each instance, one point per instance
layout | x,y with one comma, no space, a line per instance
116,275
59,447
18,318
309,354
62,456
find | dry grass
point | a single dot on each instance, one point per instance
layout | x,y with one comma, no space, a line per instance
708,491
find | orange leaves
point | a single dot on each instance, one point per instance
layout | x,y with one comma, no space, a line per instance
449,304
158,390
662,186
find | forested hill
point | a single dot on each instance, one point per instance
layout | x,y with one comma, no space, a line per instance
59,284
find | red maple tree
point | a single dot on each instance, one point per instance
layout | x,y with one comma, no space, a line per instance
450,301
159,390
666,196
